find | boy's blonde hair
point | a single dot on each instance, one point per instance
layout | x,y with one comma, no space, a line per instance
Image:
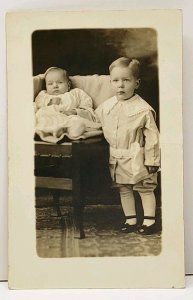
125,62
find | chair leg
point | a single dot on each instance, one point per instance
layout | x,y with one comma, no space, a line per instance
56,203
78,216
78,167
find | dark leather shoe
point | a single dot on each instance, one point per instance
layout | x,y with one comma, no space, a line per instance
126,228
148,230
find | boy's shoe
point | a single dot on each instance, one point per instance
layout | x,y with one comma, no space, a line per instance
127,228
148,230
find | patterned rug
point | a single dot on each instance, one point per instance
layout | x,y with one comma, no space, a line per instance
56,237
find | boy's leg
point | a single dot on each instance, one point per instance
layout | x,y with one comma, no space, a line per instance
146,188
128,203
149,207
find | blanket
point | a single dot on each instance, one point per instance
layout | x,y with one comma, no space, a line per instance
52,125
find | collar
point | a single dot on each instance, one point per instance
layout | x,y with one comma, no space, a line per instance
132,106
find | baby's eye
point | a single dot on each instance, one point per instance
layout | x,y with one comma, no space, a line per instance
60,82
49,83
115,80
126,79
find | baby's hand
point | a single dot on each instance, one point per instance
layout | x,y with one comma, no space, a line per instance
152,169
55,100
69,112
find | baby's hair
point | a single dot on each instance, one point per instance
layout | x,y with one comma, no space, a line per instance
125,62
59,69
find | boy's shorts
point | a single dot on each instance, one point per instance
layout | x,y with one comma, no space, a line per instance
147,185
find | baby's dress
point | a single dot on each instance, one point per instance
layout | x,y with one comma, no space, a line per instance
74,99
52,123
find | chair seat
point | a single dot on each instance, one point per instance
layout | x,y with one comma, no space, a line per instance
47,149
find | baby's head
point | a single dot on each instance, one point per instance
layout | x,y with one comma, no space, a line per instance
124,74
57,81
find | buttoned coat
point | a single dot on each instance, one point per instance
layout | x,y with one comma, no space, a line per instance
130,129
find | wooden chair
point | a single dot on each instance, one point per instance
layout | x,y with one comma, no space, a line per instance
70,167
74,165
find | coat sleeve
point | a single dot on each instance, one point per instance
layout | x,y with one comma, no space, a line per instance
85,108
98,114
85,99
151,148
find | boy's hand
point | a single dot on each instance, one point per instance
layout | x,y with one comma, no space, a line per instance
152,169
69,112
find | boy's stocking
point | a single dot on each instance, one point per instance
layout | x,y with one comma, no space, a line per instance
128,203
149,207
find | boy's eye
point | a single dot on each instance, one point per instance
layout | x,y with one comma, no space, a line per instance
126,79
115,80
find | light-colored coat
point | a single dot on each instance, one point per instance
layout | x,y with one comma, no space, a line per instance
130,129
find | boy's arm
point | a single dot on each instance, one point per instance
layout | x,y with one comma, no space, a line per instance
151,148
85,99
85,108
98,114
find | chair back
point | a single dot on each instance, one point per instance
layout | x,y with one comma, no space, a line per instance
96,86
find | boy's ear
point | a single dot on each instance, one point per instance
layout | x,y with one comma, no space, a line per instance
138,81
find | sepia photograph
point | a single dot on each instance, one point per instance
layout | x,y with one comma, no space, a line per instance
96,175
95,149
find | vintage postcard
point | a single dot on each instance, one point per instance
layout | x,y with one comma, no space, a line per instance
95,149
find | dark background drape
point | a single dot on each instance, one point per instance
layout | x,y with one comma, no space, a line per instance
91,51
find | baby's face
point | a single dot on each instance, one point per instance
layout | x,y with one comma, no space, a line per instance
123,82
56,82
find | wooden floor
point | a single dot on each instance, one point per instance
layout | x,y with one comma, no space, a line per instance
56,237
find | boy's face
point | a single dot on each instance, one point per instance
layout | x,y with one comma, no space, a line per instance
56,82
123,82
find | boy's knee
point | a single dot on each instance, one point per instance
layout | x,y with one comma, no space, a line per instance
147,185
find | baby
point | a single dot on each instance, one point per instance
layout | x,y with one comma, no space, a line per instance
65,109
